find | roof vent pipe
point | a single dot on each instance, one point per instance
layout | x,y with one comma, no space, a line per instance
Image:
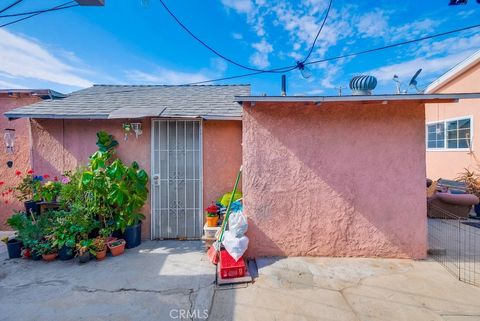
284,85
363,85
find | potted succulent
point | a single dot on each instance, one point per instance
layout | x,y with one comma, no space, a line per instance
84,250
472,181
47,249
100,248
212,215
116,247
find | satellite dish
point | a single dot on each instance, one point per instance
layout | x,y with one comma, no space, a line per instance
413,81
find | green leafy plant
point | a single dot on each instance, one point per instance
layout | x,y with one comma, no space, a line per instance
45,246
98,244
30,188
28,229
71,226
105,141
51,190
85,246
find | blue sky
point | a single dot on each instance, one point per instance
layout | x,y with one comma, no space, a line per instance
135,42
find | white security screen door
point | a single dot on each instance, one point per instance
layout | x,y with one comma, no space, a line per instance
176,179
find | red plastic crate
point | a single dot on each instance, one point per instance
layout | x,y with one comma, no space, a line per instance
229,268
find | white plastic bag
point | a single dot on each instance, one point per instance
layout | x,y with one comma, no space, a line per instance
235,246
237,223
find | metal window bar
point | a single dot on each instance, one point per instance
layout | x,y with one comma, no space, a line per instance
455,245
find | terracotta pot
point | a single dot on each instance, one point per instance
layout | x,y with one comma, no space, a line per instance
49,257
101,255
212,221
116,249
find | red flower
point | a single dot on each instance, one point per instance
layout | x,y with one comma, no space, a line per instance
10,190
1,183
55,178
30,171
46,176
18,173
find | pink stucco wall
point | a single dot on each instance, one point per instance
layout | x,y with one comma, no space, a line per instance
448,164
335,180
60,145
222,157
21,157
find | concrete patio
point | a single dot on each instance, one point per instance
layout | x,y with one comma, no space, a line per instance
159,280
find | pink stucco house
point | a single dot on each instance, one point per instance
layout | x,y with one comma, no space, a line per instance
337,176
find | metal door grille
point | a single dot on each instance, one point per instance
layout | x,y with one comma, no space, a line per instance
176,183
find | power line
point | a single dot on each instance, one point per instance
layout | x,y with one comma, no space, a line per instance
207,46
347,55
10,6
37,11
318,33
62,6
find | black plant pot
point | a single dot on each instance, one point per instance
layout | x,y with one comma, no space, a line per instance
84,258
14,248
36,256
65,253
32,206
133,235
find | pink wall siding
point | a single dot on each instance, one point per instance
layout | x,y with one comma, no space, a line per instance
21,158
335,180
222,157
448,164
61,145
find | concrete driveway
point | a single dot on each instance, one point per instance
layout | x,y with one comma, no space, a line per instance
170,280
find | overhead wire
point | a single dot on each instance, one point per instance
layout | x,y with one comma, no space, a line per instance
10,6
358,53
62,6
36,11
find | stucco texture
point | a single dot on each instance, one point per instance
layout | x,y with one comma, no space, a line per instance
335,180
21,157
222,157
448,164
61,145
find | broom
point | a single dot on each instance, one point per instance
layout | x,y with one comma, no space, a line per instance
214,250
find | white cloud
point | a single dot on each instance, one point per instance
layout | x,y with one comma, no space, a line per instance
241,6
431,68
24,58
260,57
373,24
237,36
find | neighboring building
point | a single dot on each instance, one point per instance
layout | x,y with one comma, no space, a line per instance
453,130
338,176
10,99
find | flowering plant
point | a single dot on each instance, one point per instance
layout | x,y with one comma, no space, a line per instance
29,188
212,210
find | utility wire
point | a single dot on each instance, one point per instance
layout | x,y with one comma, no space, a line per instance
10,6
62,6
37,11
348,55
215,51
318,33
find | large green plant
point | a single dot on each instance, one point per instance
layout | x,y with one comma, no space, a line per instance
71,226
28,229
116,192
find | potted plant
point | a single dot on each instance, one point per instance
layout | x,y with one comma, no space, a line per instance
14,247
84,250
29,191
472,181
100,248
50,191
116,247
47,249
212,215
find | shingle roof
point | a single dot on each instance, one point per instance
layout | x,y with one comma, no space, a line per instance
116,101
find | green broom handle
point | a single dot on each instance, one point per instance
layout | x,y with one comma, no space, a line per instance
225,220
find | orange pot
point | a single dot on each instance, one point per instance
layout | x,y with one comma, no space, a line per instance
101,255
116,247
212,221
49,257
